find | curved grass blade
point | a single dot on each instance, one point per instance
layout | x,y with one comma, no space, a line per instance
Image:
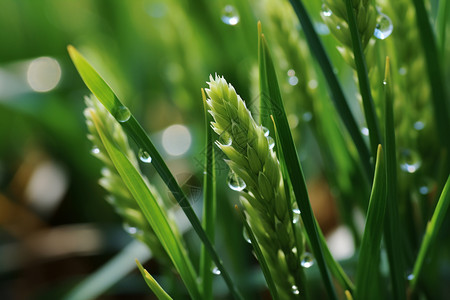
431,233
436,77
259,256
152,284
110,273
367,272
363,79
335,267
392,227
337,94
134,130
152,212
209,206
294,169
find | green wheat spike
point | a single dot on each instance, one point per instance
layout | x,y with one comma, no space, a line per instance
252,159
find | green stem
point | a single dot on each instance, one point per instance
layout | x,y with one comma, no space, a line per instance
363,79
337,93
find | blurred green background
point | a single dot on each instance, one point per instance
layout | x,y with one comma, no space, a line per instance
55,226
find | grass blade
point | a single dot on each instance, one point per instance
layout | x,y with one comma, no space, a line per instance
436,77
152,284
392,229
209,205
431,233
336,91
111,272
335,267
294,169
363,79
152,212
133,129
259,256
367,273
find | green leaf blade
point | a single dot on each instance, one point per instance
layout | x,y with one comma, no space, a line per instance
294,169
367,273
159,292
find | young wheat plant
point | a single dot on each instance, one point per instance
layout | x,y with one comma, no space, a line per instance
252,159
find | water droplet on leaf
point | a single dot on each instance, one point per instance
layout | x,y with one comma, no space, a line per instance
230,15
130,229
123,114
95,150
365,131
245,235
144,156
235,182
295,215
216,271
326,11
265,130
384,27
295,290
410,277
307,116
307,260
409,161
271,142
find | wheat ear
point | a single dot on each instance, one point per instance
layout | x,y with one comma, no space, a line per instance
264,198
334,14
119,196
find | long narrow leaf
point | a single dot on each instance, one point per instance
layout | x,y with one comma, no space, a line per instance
294,168
367,272
336,91
133,129
436,77
363,80
152,284
431,233
209,205
262,261
441,24
392,225
152,211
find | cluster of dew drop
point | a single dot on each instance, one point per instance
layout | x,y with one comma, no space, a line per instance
383,29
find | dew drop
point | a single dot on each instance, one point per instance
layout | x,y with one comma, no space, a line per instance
402,71
312,84
365,131
384,27
295,215
235,182
326,11
144,156
409,161
95,150
410,277
230,15
245,235
122,114
307,116
265,130
295,290
307,260
271,142
292,79
321,28
130,229
419,125
216,271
